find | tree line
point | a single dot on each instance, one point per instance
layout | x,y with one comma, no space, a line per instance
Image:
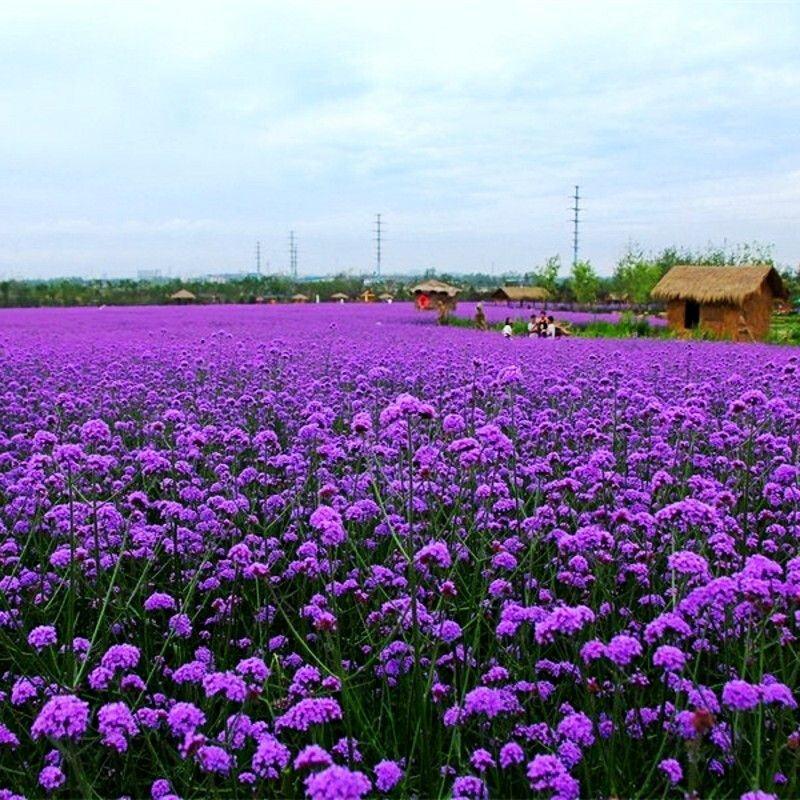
634,276
125,291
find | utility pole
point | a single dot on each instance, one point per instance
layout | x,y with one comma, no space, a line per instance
575,210
258,258
292,255
378,242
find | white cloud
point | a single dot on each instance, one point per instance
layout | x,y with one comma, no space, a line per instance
208,125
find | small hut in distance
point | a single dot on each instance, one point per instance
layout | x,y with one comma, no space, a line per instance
182,297
299,298
726,302
428,295
339,297
520,294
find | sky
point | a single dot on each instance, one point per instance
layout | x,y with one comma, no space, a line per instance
173,136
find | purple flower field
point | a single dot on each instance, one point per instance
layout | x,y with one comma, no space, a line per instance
340,552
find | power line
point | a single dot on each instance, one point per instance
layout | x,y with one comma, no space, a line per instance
378,230
576,210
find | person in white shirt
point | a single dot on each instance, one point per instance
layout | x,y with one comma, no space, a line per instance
551,328
507,329
532,326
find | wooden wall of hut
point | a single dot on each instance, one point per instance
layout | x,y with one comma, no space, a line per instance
758,312
726,320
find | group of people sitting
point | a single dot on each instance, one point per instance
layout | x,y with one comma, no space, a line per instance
542,326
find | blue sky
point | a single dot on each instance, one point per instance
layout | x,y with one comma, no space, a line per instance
172,136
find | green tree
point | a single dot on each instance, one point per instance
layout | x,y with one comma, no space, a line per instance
636,275
584,282
791,280
546,275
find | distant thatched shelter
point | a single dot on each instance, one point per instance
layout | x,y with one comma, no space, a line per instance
182,296
385,297
520,294
728,302
428,295
299,298
367,296
339,297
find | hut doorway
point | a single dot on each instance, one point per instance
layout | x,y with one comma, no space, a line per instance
691,315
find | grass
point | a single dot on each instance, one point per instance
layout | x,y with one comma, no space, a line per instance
629,327
785,329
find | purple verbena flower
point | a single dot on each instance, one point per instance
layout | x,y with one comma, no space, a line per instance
337,783
387,775
672,769
62,717
42,636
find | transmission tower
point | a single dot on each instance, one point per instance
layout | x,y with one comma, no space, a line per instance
378,230
292,255
258,258
575,211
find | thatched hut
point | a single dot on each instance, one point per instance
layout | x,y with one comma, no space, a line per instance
182,296
299,298
520,294
339,297
727,302
367,296
386,297
428,295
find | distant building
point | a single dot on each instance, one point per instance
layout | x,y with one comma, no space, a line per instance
228,277
152,275
727,302
520,294
429,293
182,297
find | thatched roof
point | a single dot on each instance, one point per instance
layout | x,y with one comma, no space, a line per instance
183,294
385,296
521,293
299,298
433,286
339,296
731,285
